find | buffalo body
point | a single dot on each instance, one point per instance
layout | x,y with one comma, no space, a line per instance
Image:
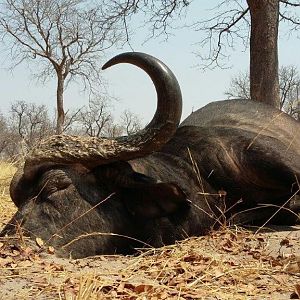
234,161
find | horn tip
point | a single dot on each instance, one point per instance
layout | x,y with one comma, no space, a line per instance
105,66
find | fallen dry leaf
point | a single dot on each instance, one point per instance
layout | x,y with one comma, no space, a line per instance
51,250
296,293
285,242
292,265
142,288
24,264
39,242
4,262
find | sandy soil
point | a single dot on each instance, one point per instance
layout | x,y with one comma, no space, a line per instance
232,263
229,264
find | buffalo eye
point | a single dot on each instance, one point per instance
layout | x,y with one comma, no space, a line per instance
52,182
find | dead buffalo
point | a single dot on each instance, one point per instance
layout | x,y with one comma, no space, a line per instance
236,161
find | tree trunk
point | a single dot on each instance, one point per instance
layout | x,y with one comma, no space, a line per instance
264,82
60,104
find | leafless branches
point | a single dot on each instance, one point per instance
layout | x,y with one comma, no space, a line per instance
228,25
95,117
30,121
158,14
239,87
162,14
4,133
289,82
130,122
70,37
96,120
26,124
290,3
66,39
289,12
289,85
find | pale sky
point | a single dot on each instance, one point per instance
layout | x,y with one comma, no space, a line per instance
134,88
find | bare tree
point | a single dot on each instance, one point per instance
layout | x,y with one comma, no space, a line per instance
239,87
130,122
66,39
253,22
26,124
289,82
22,127
231,24
18,115
289,87
94,118
159,13
30,122
71,118
4,136
113,130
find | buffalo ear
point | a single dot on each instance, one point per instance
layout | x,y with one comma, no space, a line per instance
154,200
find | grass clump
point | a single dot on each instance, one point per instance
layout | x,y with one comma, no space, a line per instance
231,263
7,207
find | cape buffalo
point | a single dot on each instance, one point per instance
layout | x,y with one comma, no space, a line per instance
233,161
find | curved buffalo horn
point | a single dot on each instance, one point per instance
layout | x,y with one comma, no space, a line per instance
93,151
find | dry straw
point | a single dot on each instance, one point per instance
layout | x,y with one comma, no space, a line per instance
232,263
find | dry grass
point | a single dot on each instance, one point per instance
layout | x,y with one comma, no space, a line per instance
225,265
229,264
7,208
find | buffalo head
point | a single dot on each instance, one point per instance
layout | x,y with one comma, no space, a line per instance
81,191
238,160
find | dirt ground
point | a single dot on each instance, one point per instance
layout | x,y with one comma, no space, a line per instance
229,264
232,263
